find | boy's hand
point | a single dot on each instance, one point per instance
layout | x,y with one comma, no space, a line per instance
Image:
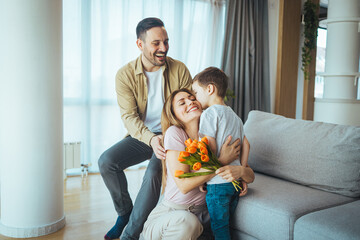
229,153
203,188
244,189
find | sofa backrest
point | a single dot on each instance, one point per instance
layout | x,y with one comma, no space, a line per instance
319,155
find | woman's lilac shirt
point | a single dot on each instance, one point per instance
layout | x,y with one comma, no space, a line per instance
174,139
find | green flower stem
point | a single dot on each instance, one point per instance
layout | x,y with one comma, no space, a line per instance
194,174
212,165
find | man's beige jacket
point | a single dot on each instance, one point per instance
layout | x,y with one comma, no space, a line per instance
132,92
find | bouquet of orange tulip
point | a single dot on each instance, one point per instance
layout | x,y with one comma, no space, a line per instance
198,155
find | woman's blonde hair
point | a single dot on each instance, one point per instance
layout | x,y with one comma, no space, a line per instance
168,119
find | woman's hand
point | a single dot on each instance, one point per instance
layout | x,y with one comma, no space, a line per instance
229,153
231,173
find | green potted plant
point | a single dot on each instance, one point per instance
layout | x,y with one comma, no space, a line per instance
311,23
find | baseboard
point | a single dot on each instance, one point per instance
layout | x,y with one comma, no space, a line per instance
33,231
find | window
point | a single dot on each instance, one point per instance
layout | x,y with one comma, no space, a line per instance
99,38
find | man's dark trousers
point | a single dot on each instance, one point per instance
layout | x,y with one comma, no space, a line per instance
112,163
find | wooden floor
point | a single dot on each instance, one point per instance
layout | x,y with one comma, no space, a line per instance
88,207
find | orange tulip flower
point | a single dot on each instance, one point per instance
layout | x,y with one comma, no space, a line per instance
197,166
184,154
204,158
188,142
203,150
205,140
191,149
178,173
194,144
201,144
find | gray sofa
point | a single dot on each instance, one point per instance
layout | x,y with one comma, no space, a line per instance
307,181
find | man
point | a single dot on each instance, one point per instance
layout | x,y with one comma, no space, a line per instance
141,86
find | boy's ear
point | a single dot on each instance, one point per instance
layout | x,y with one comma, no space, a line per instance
210,89
139,44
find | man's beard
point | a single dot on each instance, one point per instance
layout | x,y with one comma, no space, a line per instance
154,61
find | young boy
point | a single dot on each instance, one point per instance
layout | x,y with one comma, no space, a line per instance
217,122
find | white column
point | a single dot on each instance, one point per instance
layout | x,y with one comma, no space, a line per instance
339,103
31,122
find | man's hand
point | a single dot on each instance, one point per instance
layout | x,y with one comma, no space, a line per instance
156,144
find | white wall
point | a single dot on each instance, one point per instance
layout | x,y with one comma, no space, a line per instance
273,16
31,132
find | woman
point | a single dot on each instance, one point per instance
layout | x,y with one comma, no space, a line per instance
183,213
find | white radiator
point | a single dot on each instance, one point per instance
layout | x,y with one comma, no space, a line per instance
72,157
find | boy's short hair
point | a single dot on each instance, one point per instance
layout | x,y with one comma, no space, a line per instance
213,75
146,24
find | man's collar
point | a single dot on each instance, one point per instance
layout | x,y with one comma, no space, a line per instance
139,69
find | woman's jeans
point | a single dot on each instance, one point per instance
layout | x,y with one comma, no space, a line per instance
112,163
221,200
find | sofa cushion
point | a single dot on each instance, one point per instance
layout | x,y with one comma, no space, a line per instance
342,222
240,235
320,155
272,205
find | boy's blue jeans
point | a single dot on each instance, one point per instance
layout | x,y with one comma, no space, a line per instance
221,200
